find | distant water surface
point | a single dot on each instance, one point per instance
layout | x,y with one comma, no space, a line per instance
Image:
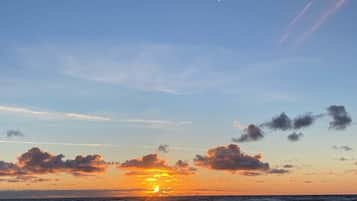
209,198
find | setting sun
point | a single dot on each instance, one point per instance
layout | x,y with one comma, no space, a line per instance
157,189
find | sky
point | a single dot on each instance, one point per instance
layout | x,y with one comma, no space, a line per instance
177,97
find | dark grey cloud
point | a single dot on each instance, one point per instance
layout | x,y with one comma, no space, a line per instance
164,148
280,122
36,162
293,137
230,158
343,147
278,171
288,166
251,133
14,133
305,120
341,118
251,173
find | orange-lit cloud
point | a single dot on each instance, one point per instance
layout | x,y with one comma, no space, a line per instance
37,162
153,162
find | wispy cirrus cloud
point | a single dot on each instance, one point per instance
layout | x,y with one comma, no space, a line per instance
154,123
46,114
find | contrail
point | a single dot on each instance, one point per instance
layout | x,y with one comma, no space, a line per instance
285,36
325,15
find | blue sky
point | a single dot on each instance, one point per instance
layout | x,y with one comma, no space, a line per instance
172,72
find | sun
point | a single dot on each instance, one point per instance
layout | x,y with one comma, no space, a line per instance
156,189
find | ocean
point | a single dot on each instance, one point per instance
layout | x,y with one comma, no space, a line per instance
207,198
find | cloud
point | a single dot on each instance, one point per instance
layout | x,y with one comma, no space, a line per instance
147,161
37,162
46,114
293,137
230,158
86,117
152,161
305,120
14,133
280,122
251,133
163,68
278,171
154,123
22,110
343,147
164,148
341,119
288,166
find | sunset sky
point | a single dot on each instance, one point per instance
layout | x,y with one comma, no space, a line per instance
178,97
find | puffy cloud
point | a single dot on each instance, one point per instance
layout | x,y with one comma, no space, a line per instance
164,148
14,133
147,161
280,122
293,137
9,169
152,161
230,158
183,168
343,147
341,118
251,133
37,162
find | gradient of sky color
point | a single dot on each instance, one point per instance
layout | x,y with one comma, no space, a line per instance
119,78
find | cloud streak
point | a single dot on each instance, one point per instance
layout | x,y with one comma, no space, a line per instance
154,123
